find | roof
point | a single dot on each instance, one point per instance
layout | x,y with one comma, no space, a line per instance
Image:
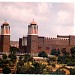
33,22
5,23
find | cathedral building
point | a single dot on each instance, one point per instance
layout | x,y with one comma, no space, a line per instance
5,38
33,43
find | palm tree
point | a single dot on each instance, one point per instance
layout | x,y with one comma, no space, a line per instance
38,68
24,69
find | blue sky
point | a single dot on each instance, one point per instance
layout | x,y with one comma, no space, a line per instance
52,18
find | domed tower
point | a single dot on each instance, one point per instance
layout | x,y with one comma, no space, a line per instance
33,28
32,39
5,37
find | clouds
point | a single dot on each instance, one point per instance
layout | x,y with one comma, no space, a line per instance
52,18
43,8
63,17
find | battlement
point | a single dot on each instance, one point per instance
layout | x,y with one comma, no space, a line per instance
62,36
54,41
50,38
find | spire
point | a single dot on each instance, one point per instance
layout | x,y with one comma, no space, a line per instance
5,20
33,19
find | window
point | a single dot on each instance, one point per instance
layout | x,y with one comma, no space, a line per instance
6,29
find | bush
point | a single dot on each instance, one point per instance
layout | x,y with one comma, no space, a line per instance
20,58
1,63
4,56
12,57
5,61
6,70
72,71
53,65
11,64
27,58
42,54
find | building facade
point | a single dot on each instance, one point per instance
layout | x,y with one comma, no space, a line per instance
33,43
14,44
5,38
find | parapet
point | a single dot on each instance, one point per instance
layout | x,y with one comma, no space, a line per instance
50,38
62,36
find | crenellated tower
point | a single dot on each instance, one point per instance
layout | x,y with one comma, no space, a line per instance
5,37
32,40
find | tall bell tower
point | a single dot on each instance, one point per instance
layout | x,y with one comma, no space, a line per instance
5,37
32,38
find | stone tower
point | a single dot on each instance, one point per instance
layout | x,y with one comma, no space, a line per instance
32,40
5,37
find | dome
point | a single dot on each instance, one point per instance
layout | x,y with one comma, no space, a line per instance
5,23
33,22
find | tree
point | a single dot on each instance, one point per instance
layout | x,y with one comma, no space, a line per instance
12,56
24,68
64,51
53,65
14,49
1,63
55,52
20,58
11,64
20,63
42,54
72,71
27,58
51,59
5,62
67,58
6,70
38,68
64,58
58,52
72,50
4,56
34,68
58,71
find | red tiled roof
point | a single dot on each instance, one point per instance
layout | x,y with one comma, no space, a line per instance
33,22
5,23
